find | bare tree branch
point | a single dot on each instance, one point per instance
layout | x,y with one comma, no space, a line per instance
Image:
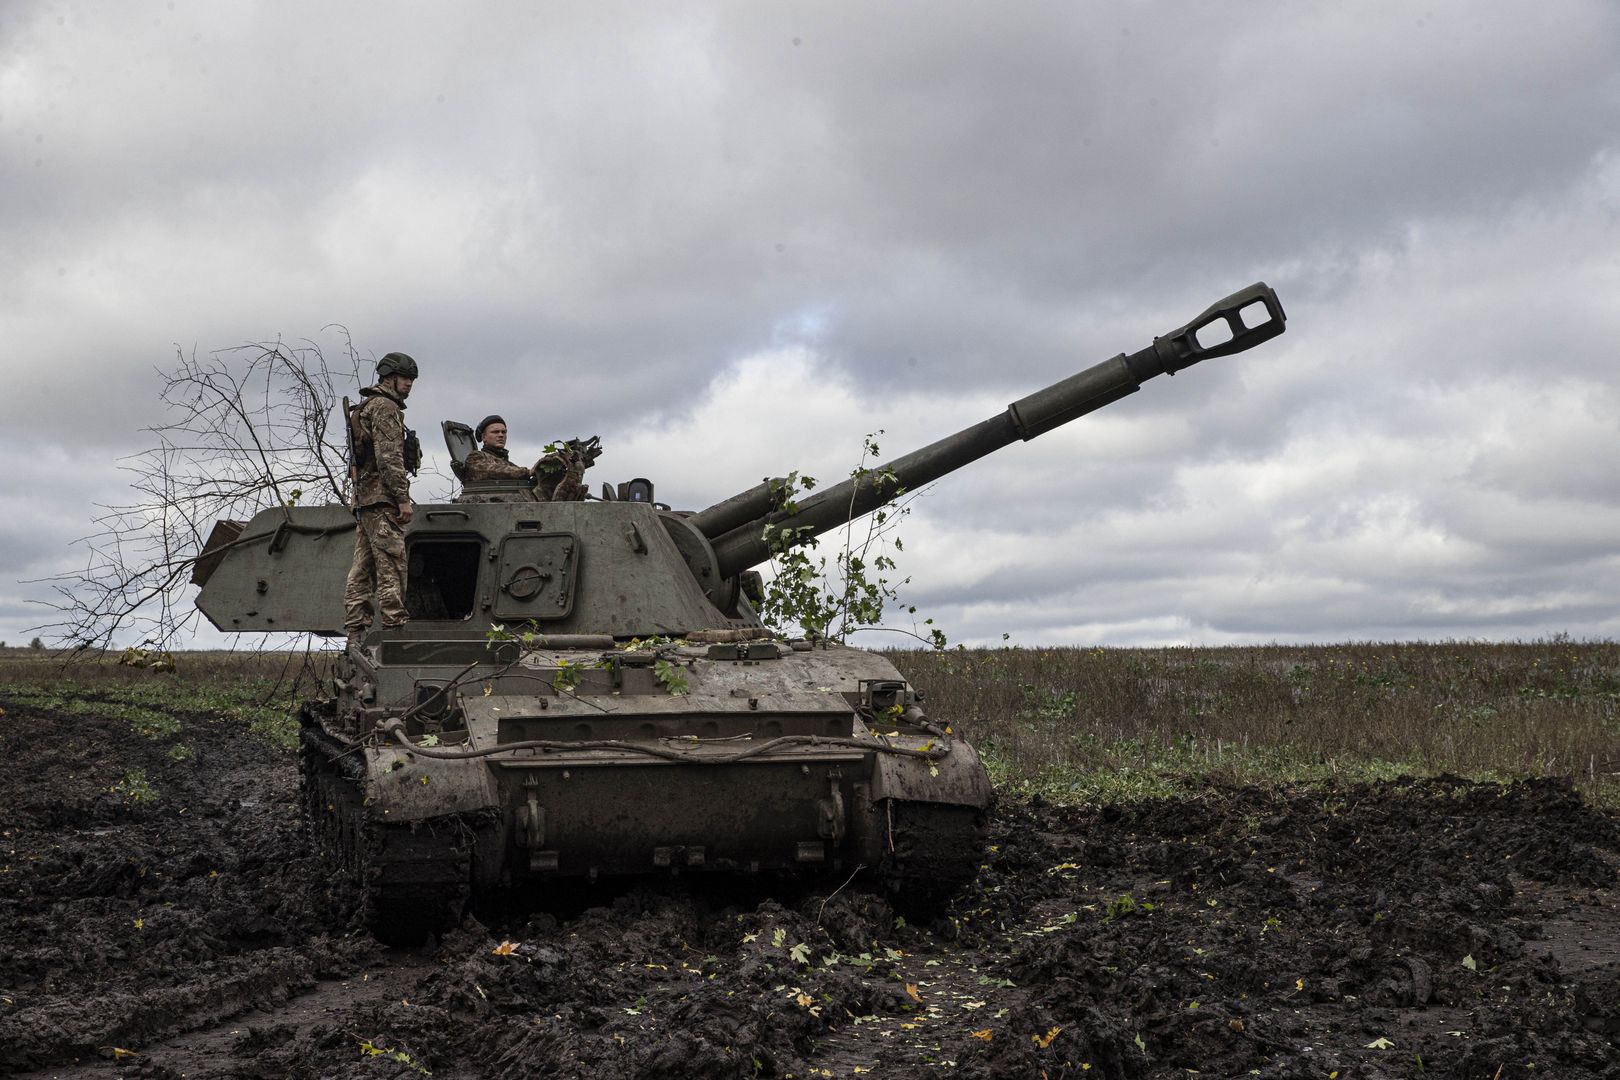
250,427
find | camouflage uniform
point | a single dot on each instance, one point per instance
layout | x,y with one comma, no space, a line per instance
379,541
559,478
554,478
493,463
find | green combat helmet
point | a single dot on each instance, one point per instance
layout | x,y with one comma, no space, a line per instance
396,363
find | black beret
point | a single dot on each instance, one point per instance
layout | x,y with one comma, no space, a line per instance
478,433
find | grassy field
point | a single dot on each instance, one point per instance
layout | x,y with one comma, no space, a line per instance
1087,725
1090,725
258,689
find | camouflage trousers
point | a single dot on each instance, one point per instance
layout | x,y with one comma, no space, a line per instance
379,568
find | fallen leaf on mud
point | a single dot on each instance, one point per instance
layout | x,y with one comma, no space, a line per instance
1380,1043
1470,963
140,924
982,1033
974,1004
1044,1041
119,1053
911,991
505,948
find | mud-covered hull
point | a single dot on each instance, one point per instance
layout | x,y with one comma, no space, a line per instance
425,824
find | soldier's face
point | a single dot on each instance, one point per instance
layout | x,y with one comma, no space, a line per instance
402,386
495,435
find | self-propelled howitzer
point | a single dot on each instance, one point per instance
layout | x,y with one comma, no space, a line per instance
634,716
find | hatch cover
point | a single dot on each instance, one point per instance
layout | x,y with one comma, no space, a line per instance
536,576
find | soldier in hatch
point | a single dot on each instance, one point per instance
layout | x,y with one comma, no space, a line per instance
557,477
382,452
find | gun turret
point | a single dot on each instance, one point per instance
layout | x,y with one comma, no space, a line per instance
736,527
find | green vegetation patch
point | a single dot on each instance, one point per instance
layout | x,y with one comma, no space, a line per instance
135,787
251,690
1098,725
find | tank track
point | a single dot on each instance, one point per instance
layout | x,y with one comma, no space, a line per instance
412,879
933,850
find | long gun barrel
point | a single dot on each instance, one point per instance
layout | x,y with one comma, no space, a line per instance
736,526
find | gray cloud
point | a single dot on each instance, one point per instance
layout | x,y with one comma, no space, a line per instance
732,239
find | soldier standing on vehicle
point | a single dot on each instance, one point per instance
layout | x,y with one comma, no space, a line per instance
559,476
382,451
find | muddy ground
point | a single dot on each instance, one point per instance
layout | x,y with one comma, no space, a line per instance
1434,929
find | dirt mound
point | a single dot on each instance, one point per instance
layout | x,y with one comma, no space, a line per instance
160,916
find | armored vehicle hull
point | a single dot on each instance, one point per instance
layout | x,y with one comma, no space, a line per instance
584,689
771,761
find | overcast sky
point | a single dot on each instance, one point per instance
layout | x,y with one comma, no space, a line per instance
732,238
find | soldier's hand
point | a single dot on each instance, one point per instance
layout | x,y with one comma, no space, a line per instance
405,511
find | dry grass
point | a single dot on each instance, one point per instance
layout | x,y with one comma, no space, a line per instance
1102,724
1093,725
